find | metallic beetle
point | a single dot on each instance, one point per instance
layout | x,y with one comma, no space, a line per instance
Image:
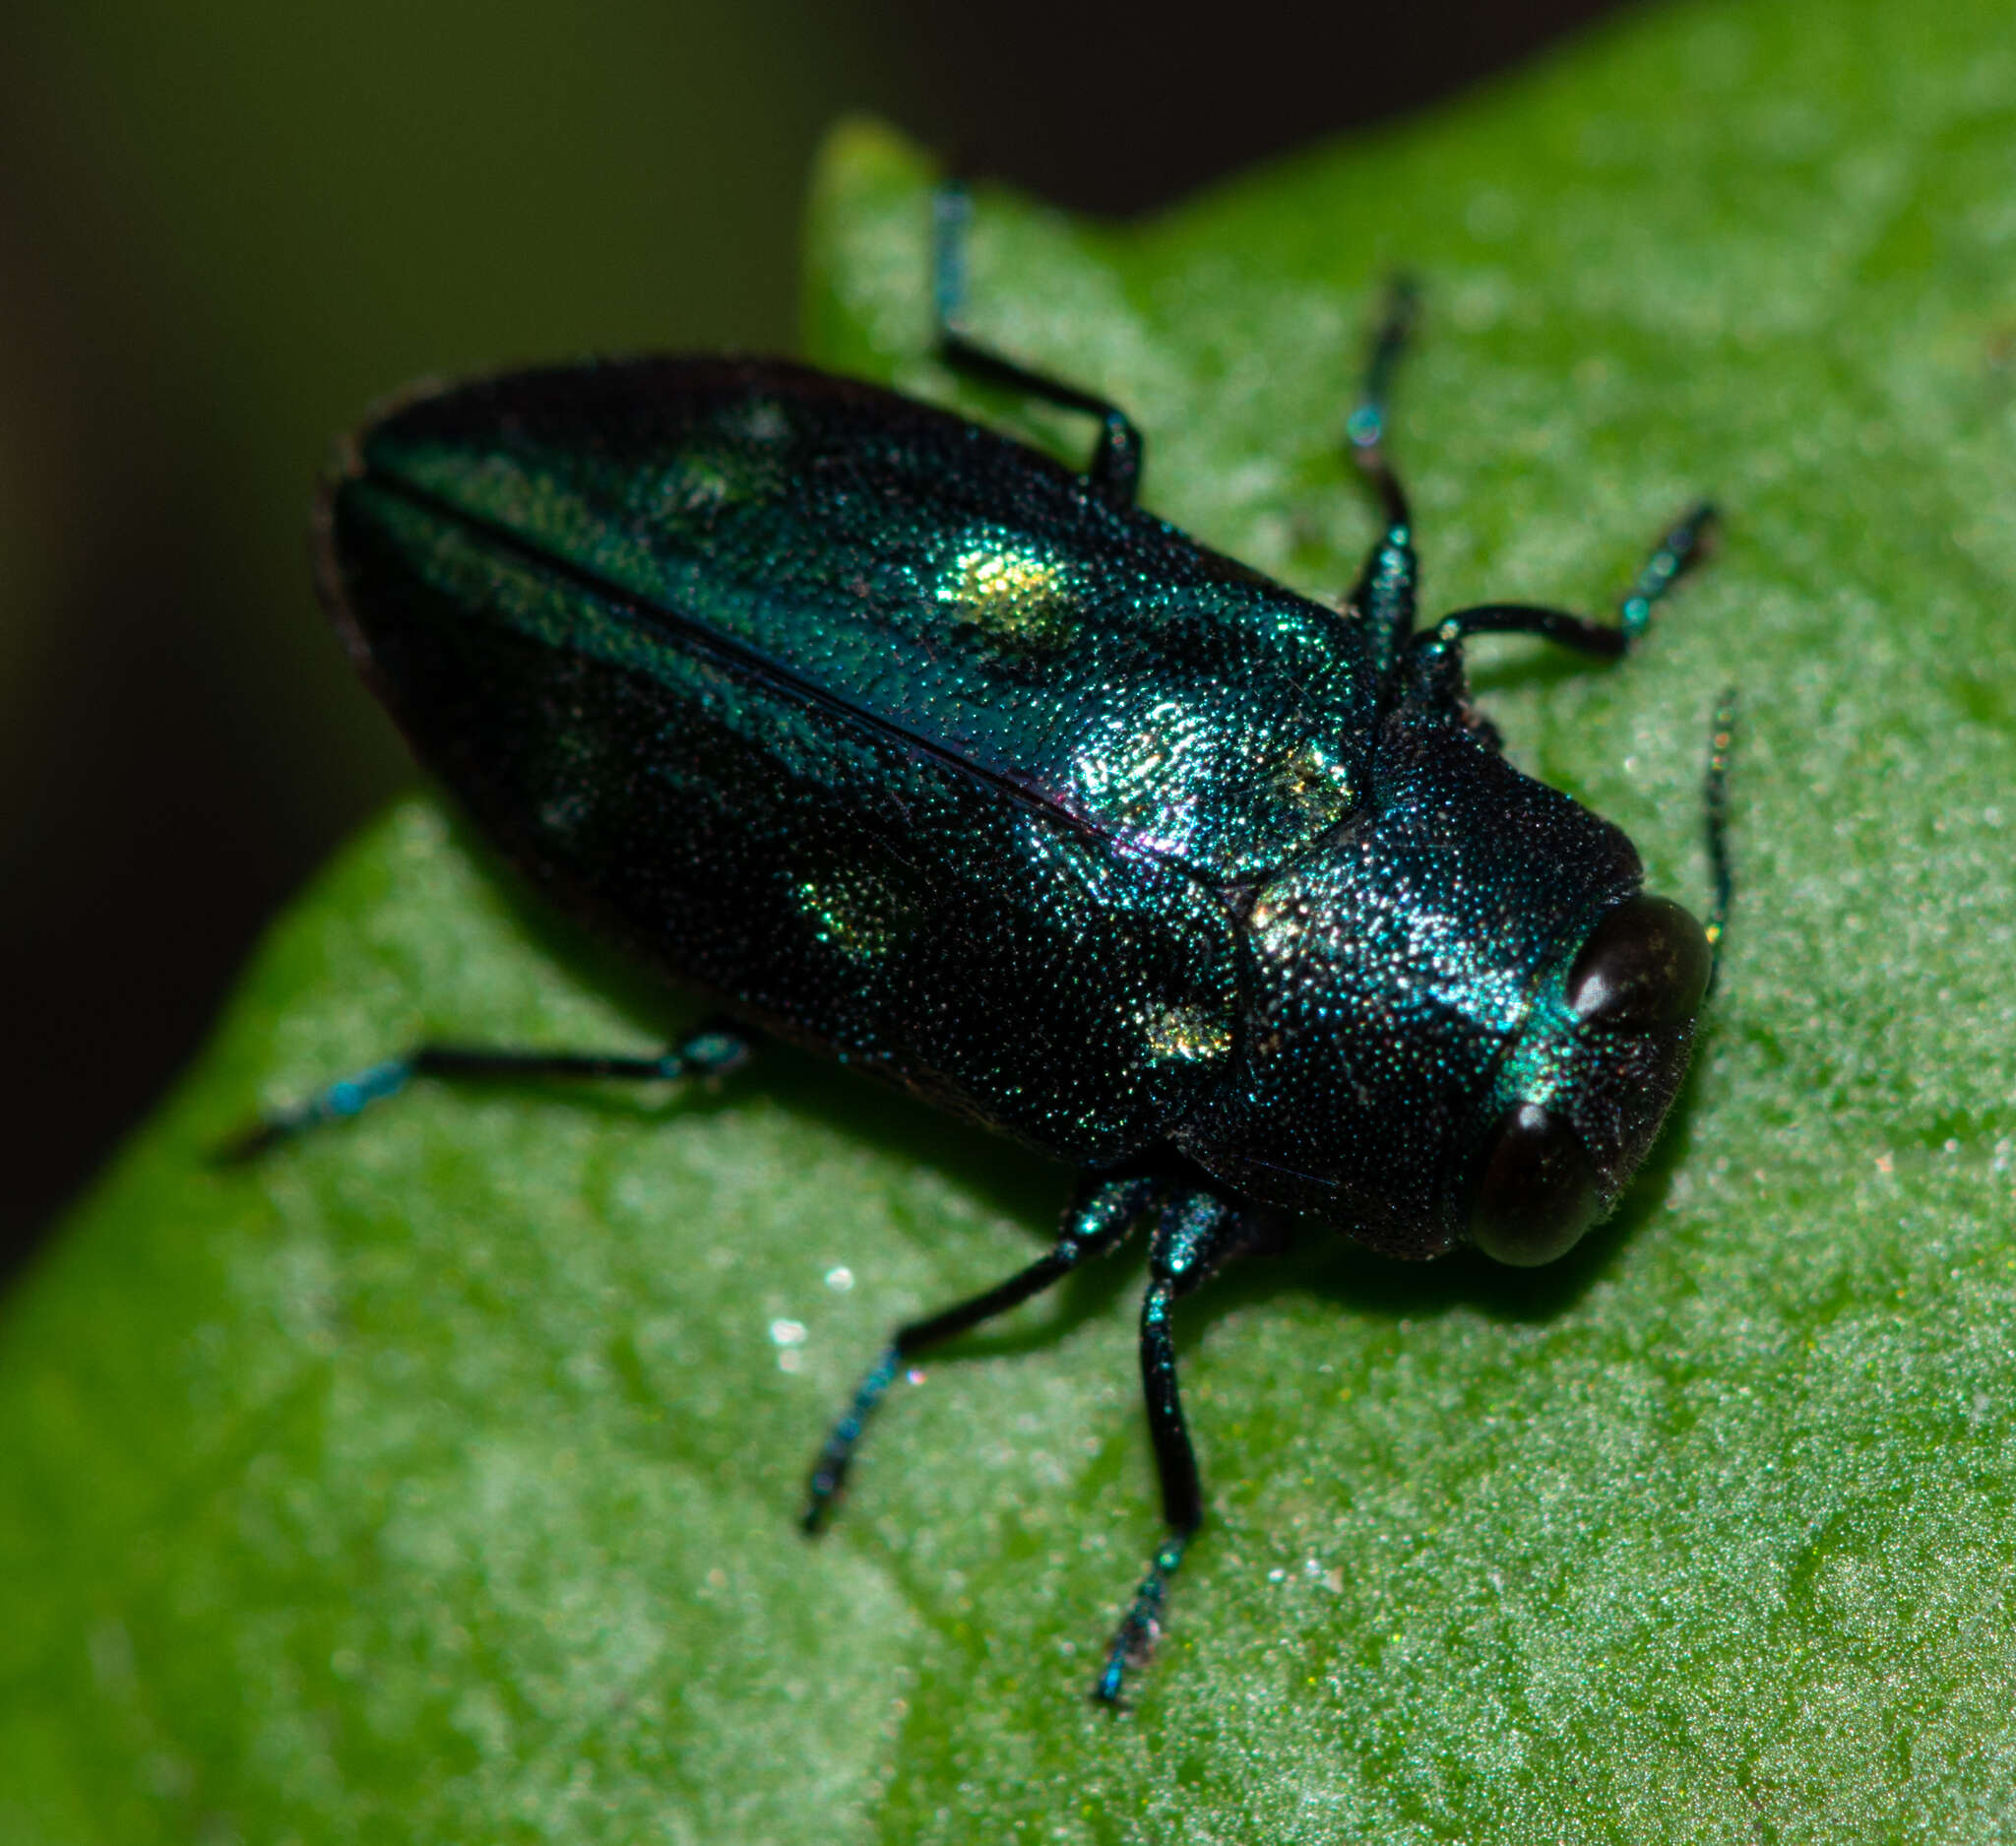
906,742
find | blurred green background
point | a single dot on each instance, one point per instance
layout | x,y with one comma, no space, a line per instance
227,227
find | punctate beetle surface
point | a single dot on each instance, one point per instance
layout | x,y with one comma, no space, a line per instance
903,741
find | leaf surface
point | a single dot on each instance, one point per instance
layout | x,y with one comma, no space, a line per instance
435,1478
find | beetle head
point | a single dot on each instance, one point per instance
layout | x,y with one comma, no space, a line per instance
1463,1020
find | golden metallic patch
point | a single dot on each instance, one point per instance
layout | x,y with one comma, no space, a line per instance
1276,929
1186,1035
1019,602
1311,782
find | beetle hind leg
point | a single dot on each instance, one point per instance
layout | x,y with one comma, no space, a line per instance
712,1051
1115,470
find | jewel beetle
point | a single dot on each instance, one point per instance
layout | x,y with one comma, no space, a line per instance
907,742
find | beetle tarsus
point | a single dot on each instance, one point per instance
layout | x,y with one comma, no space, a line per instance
338,1102
829,1472
1134,1641
1365,427
1682,546
1100,1216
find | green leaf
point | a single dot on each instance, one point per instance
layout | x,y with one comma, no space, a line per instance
435,1476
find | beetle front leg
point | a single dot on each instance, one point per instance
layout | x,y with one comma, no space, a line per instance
1383,598
712,1051
1681,546
1196,1233
1435,655
1098,1218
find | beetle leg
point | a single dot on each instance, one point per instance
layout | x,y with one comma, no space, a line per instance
712,1051
1715,803
1099,1217
1383,598
1670,557
1435,655
1196,1233
1115,470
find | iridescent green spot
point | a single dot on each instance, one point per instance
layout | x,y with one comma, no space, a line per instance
759,421
1018,601
705,480
701,483
853,913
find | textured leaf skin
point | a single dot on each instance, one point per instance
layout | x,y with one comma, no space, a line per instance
435,1480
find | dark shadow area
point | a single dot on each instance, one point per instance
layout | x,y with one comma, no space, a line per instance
1006,1178
1116,110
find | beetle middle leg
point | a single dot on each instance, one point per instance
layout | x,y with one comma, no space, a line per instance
714,1049
1099,1217
1115,470
1196,1233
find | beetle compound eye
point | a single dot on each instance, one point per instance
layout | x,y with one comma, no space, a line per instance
1644,968
1538,1192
